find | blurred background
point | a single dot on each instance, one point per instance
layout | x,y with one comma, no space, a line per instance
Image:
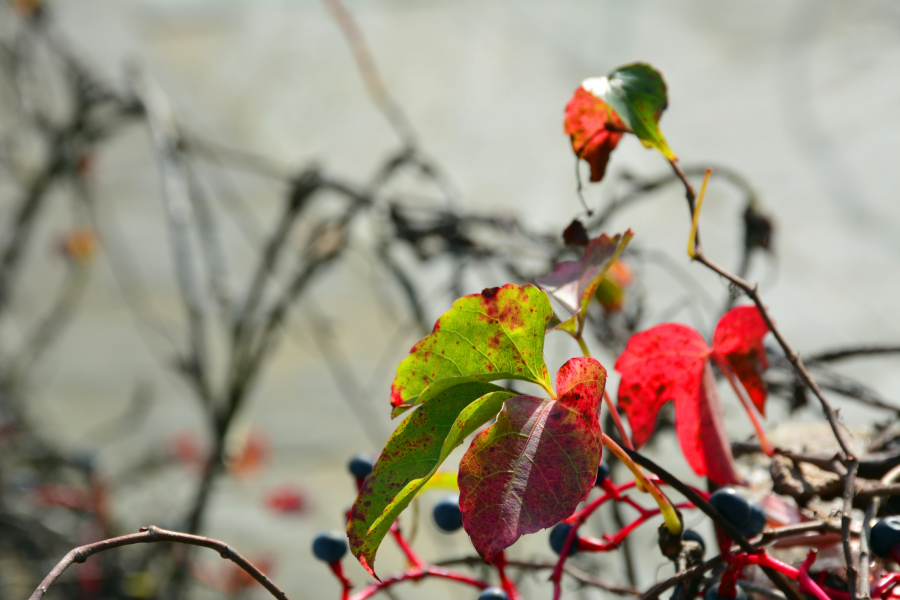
225,223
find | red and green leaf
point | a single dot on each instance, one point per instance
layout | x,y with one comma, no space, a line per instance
497,334
637,93
669,362
412,455
573,283
594,128
739,340
532,467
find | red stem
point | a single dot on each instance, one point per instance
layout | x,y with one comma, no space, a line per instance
338,571
410,554
415,574
508,586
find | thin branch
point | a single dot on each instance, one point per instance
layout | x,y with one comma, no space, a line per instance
369,72
752,292
149,535
725,525
177,206
853,352
539,564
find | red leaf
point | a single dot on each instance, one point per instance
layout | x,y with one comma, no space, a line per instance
532,467
738,339
660,364
595,129
670,362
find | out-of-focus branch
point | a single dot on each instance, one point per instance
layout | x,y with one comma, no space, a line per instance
177,205
149,535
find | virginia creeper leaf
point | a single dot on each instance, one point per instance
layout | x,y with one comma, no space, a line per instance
412,456
670,362
637,92
573,283
738,339
594,128
497,334
532,467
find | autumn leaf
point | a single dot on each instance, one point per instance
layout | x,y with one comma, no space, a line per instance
637,93
594,128
532,467
738,339
412,455
573,283
497,334
670,362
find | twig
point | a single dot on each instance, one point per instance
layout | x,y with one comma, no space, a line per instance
853,352
846,519
726,526
177,206
539,564
149,535
752,292
369,71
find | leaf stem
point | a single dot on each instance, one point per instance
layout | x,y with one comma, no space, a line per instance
764,443
670,515
617,420
695,221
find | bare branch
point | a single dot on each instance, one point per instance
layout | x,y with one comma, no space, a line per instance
149,535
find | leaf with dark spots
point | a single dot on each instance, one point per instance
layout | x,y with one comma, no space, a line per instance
498,334
594,128
573,283
739,340
532,467
637,93
669,362
412,456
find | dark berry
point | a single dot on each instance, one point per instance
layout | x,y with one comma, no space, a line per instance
885,533
330,546
493,594
360,466
602,473
558,536
447,515
731,505
756,523
693,536
713,594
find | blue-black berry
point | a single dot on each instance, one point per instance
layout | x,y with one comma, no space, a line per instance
713,594
885,533
447,515
602,473
691,535
493,594
558,536
360,466
756,523
330,546
732,505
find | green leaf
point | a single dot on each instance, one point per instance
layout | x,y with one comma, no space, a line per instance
497,334
638,93
412,456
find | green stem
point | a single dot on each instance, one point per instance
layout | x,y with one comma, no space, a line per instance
670,515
